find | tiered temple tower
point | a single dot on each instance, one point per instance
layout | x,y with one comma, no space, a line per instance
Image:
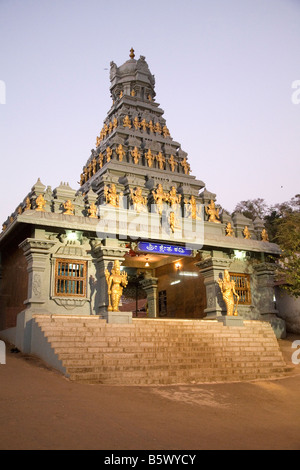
135,148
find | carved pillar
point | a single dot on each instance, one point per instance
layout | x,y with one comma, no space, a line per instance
264,298
150,286
105,254
37,253
211,268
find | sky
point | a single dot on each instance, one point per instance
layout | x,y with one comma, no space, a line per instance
224,69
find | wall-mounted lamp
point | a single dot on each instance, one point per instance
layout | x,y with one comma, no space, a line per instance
147,264
177,266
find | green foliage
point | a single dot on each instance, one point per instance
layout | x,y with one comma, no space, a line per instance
282,222
252,208
288,238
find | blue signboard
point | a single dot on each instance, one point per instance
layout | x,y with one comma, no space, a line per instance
164,249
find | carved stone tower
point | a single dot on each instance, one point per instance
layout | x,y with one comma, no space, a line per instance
135,148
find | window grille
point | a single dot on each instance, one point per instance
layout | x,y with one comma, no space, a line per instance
242,287
70,278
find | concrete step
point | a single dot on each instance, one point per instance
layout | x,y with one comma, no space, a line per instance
161,351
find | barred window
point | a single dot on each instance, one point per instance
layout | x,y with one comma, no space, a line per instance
242,287
70,278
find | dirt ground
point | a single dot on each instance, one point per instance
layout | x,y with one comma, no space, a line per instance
41,409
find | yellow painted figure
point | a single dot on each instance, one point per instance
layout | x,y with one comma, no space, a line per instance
115,283
228,291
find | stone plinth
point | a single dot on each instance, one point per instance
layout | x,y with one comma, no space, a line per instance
231,320
117,317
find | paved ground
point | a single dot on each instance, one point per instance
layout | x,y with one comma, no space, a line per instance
40,409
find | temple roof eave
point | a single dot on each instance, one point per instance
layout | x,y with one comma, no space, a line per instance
62,222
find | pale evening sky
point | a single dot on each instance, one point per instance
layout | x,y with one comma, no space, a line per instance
224,72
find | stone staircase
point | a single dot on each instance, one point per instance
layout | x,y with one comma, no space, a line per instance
159,351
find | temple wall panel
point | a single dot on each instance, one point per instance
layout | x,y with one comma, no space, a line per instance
13,287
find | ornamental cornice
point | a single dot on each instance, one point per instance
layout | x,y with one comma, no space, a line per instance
34,244
265,268
211,262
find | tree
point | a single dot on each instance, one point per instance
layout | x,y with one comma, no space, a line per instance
282,222
252,208
288,238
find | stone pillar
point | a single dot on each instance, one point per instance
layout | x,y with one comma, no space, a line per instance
212,269
37,253
105,254
149,284
264,297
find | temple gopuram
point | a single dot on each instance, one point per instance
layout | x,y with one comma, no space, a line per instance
138,203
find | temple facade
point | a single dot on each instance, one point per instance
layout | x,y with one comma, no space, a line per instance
137,203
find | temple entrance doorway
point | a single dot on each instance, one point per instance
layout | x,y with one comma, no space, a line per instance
163,286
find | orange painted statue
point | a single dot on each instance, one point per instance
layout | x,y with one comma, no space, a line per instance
115,283
228,291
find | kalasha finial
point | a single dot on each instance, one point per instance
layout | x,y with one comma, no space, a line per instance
132,55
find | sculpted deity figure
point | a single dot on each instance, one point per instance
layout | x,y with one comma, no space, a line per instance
115,123
127,122
93,211
151,127
160,197
139,202
69,208
173,222
157,128
108,154
110,127
264,235
150,158
228,291
174,198
102,135
115,283
86,174
94,165
161,160
132,93
246,233
90,170
192,209
212,212
135,155
82,179
186,166
27,204
98,140
166,132
100,160
111,196
172,162
40,203
229,230
120,152
136,123
144,125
